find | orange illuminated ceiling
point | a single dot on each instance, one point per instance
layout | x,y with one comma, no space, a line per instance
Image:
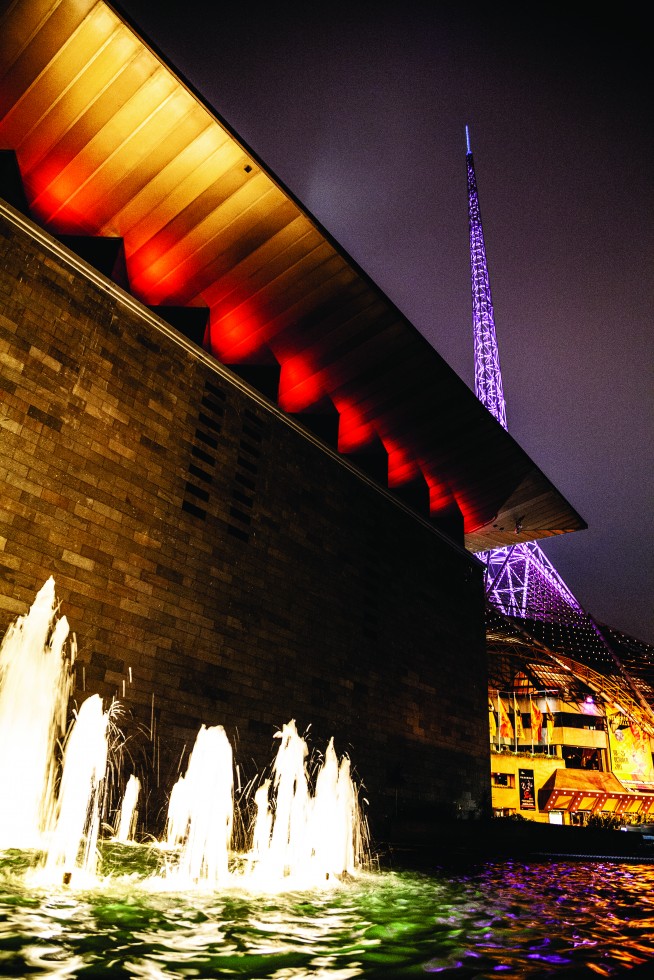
111,142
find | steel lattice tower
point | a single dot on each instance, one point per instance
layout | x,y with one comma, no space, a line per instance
521,582
488,376
520,579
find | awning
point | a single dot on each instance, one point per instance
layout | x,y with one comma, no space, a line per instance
597,792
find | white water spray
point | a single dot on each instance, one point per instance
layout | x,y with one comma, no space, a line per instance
307,838
201,811
35,685
78,822
128,815
299,838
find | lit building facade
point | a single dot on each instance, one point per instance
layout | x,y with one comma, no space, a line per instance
568,743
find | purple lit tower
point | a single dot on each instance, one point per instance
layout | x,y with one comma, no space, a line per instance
520,579
521,582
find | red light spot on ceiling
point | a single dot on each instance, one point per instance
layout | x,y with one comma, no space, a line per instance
155,275
471,517
51,186
401,466
144,261
299,387
442,499
353,431
235,336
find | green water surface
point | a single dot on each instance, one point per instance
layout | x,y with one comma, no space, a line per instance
507,919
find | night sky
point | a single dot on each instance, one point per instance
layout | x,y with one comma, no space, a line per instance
360,110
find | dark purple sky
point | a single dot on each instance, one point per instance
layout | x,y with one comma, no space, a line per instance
360,110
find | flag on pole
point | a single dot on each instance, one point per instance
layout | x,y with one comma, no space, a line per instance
550,723
506,728
517,714
491,720
536,722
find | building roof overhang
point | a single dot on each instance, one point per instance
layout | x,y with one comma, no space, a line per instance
579,789
111,142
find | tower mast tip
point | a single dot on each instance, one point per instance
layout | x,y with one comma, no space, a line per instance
468,140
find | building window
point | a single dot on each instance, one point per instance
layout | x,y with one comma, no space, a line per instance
580,758
504,779
591,723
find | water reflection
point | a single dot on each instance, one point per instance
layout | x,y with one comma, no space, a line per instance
498,919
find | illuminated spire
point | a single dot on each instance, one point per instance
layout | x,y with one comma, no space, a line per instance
520,579
488,376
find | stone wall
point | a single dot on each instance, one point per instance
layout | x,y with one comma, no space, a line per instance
216,563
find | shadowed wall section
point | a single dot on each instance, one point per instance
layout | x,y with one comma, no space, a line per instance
217,563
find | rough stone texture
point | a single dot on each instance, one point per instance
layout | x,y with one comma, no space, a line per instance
218,566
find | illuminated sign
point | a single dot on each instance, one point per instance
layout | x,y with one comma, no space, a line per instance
631,755
527,789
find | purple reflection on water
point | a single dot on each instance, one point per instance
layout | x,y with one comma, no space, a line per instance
552,958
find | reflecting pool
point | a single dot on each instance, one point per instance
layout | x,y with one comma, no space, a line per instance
507,919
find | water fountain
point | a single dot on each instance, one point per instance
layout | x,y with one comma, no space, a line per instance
299,836
296,904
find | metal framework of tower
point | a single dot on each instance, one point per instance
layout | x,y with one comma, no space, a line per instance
520,579
521,582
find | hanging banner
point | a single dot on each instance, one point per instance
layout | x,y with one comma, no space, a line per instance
527,789
536,721
506,728
550,723
631,754
517,717
492,724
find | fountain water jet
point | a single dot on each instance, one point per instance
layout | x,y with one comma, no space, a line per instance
201,811
128,814
78,804
308,838
35,686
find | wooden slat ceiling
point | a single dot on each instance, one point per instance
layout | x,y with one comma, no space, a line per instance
111,142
